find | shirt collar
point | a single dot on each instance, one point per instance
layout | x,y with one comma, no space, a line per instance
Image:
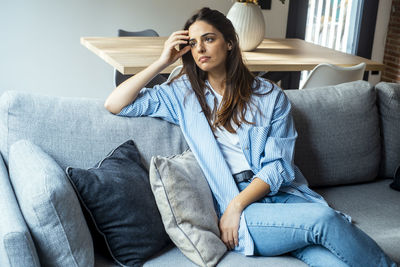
208,86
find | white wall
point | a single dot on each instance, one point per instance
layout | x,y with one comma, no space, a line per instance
39,40
276,19
381,28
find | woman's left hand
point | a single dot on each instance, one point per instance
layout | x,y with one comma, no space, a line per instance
229,225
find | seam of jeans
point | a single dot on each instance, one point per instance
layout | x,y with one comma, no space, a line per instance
276,226
330,247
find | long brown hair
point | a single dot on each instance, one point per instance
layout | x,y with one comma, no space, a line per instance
240,82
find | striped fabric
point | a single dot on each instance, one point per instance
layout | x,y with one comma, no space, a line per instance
268,145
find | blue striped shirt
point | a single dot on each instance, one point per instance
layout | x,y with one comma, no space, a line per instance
268,145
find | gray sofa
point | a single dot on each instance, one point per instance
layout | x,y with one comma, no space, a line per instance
348,148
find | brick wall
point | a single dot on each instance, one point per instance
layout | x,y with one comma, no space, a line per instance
392,49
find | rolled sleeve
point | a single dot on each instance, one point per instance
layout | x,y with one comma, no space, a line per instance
276,163
159,102
272,174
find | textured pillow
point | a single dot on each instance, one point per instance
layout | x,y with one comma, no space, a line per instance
338,133
389,109
186,206
50,207
117,194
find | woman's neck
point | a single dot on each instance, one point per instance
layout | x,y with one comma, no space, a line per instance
218,82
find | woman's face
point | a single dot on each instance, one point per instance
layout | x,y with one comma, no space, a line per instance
208,47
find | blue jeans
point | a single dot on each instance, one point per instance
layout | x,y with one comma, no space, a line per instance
311,232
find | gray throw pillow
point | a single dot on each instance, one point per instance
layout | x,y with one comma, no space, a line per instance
338,133
186,205
50,207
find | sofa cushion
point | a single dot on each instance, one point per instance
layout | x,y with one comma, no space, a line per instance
389,111
186,206
374,208
338,133
62,127
173,257
16,248
50,207
117,194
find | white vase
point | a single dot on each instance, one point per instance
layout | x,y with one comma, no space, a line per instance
249,24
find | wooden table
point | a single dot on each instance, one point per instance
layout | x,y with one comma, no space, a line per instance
129,55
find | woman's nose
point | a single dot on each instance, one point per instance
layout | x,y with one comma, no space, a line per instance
200,47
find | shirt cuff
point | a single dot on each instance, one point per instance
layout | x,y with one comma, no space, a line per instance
272,174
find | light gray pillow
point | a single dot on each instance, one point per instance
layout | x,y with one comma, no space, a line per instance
186,206
50,207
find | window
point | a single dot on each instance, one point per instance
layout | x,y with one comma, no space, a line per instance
334,24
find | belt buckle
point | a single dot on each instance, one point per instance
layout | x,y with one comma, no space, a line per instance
243,176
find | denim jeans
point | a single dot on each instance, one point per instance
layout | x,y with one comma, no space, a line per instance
311,232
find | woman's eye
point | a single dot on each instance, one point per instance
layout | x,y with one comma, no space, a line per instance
209,39
192,44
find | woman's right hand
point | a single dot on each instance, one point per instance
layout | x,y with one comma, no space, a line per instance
170,54
127,91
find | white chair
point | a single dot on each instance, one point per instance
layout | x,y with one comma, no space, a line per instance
174,72
327,74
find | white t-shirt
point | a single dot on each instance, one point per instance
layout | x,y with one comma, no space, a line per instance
230,146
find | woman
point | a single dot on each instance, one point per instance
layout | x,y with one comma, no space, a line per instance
240,129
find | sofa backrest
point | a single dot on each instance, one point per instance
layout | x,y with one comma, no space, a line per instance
339,134
338,128
79,132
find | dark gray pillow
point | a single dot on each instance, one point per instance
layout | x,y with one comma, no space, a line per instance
338,127
389,110
118,196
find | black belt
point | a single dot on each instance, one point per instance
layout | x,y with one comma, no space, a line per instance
243,176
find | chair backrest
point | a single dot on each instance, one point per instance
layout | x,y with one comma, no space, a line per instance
174,72
119,77
327,74
148,33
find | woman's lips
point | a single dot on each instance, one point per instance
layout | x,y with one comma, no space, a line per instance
203,59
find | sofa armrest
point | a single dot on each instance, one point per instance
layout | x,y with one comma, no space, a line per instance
389,116
16,244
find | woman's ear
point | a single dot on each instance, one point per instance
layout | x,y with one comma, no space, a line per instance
229,46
